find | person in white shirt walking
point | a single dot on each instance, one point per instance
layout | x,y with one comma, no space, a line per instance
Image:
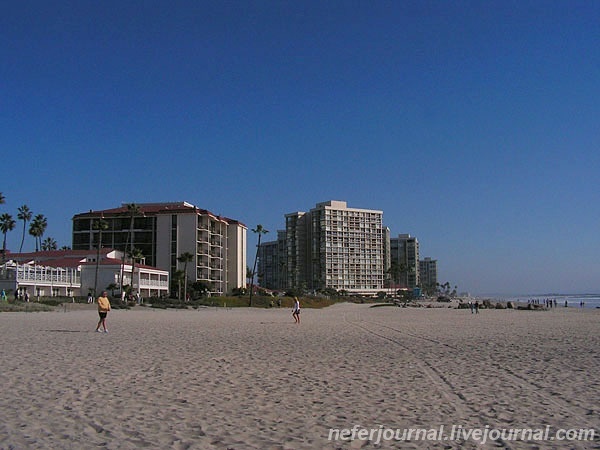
296,310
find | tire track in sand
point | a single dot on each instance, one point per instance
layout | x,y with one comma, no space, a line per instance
563,404
438,380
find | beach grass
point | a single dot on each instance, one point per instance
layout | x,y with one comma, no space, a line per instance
25,307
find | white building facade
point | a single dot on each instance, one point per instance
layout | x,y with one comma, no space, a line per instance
330,247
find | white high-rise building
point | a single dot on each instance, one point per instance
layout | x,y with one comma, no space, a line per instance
333,247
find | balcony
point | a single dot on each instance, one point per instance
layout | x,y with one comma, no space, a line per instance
153,284
45,275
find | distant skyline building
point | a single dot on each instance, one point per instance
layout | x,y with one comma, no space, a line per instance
404,260
428,272
164,231
330,247
267,271
271,263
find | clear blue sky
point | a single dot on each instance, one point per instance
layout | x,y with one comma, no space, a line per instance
474,126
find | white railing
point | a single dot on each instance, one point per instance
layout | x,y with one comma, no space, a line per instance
48,275
154,283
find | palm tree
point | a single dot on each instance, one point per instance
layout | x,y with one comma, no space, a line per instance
248,274
260,231
403,270
49,244
24,215
111,287
2,199
34,231
178,276
37,228
134,254
394,272
132,209
100,225
43,225
7,224
185,258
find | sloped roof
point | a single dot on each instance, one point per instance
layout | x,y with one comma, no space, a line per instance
62,263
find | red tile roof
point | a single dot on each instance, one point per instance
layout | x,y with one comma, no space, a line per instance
63,263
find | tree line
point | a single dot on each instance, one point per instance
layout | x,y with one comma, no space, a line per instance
37,228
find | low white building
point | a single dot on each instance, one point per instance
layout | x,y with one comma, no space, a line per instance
73,273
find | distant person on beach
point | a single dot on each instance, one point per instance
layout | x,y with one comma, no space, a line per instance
4,297
103,309
477,307
296,310
90,298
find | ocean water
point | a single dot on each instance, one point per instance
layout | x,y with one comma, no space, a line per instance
573,300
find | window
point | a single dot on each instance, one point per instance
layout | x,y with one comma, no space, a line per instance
81,224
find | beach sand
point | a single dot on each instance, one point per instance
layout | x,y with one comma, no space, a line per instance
252,379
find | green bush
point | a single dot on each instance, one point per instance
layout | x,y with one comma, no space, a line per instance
54,301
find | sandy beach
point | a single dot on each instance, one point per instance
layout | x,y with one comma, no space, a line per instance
252,379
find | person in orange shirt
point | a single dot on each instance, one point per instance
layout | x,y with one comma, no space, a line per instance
103,309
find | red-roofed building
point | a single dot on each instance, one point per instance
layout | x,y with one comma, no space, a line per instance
73,273
165,231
